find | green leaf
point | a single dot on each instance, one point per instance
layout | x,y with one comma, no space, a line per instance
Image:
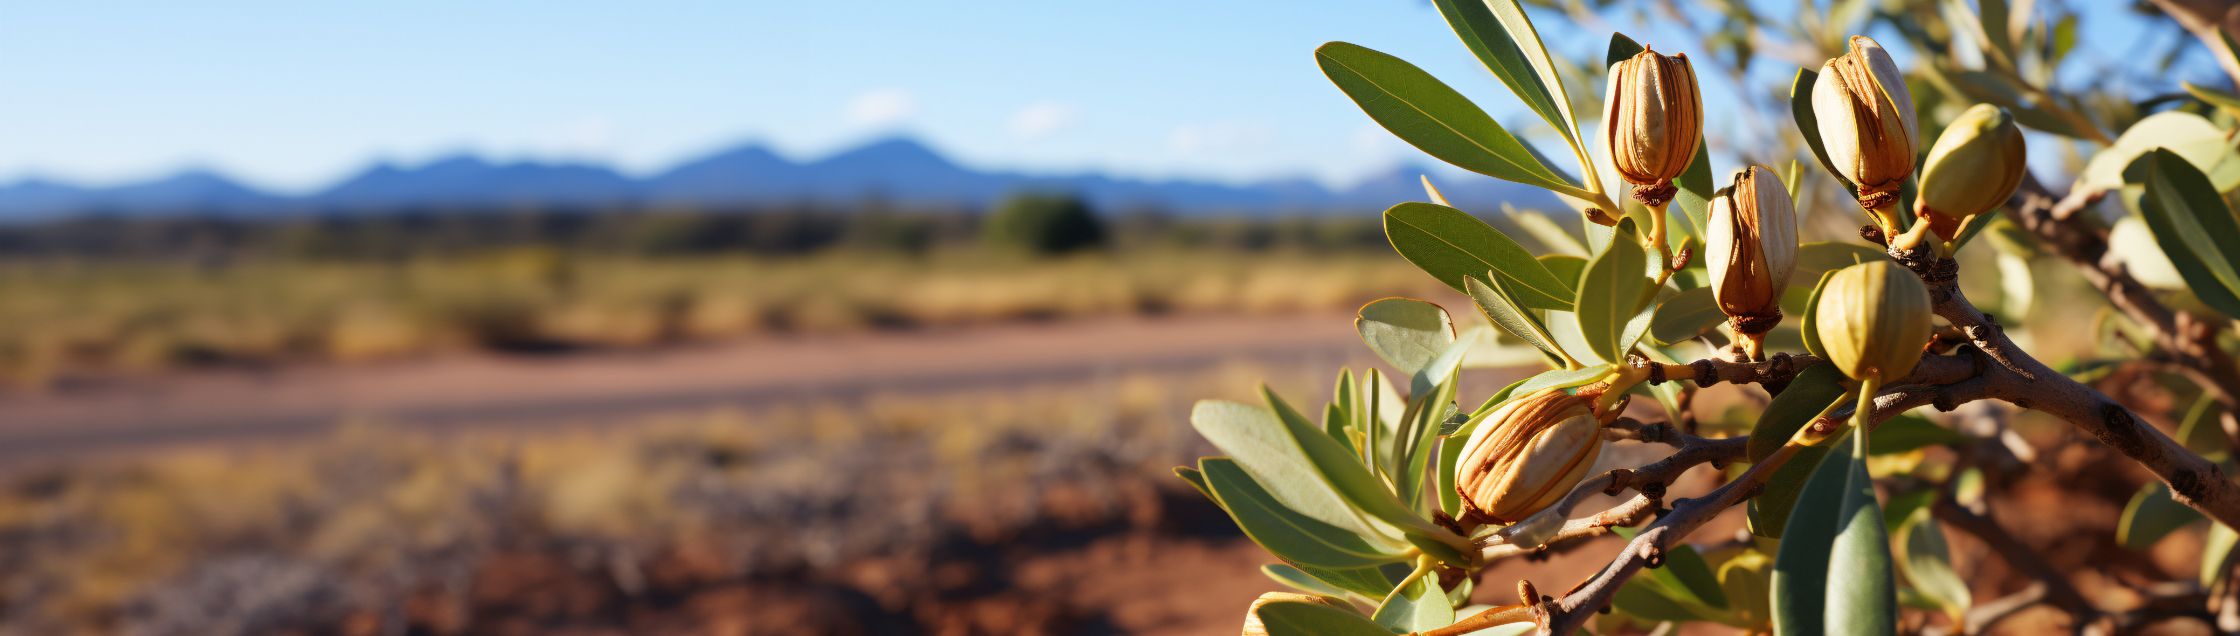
1499,33
1927,562
1502,310
2193,225
1806,326
1299,580
1421,606
1428,114
1197,480
1427,412
1453,246
1547,233
1407,333
1564,379
1692,202
1833,573
1808,125
2202,430
1285,532
2214,550
2152,515
1826,256
1369,582
1565,267
1298,618
1684,589
1810,393
1317,480
2200,142
1686,315
2222,100
1910,432
1610,293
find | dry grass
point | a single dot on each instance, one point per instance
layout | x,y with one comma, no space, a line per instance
349,531
96,318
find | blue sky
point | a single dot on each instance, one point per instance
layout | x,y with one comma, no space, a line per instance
293,95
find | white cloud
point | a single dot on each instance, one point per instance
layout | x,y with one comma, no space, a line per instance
1219,137
1041,119
882,107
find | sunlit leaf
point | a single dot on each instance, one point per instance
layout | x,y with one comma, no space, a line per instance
1285,532
2152,515
1299,580
1609,294
1927,562
1407,333
2193,225
1503,310
1452,246
1686,315
1811,392
1418,607
1297,618
1428,114
1833,573
1500,34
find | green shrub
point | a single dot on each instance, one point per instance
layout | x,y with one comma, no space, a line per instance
1044,224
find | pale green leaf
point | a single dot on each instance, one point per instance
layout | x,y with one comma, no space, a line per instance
1428,114
2194,226
1452,246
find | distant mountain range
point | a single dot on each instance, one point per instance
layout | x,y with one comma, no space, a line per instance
900,171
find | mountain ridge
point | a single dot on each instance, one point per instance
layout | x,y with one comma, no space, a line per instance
898,170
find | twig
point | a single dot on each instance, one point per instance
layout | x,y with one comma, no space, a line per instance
2055,587
2025,382
1553,525
2057,222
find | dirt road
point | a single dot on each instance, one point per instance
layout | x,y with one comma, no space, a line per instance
230,405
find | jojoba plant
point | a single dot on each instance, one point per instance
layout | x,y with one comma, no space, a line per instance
1386,506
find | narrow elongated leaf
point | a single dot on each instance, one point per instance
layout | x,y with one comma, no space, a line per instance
2214,550
1910,432
2191,136
1299,580
1295,618
1428,114
1565,266
1452,246
1610,292
2193,225
1352,480
1826,256
1499,33
1500,308
2152,515
1370,582
1564,379
1692,203
1685,316
2202,430
1285,532
1265,447
1418,607
1833,573
1547,233
1406,332
1684,589
1811,392
1197,481
1927,562
1807,325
